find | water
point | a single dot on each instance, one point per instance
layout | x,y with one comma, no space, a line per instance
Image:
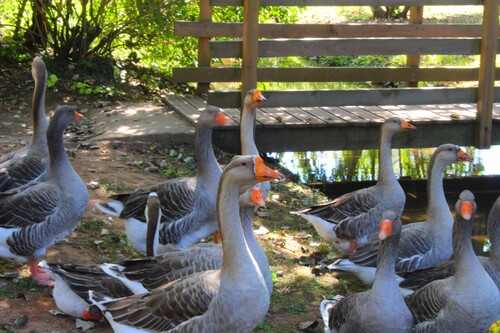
338,172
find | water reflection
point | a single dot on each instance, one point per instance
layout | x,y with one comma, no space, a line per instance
359,168
360,165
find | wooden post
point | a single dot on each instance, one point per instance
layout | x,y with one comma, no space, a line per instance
485,92
204,46
416,17
250,48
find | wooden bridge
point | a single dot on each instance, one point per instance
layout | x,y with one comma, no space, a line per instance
350,118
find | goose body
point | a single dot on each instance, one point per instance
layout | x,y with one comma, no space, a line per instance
382,308
423,244
35,216
354,216
30,163
491,264
138,276
468,301
187,203
231,299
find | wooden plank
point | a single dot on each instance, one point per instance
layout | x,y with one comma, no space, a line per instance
331,74
267,119
204,46
184,108
485,95
424,113
350,30
363,114
305,117
349,46
234,114
250,46
376,109
318,114
283,117
352,2
344,114
416,17
393,96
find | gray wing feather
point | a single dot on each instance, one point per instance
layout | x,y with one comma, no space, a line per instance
426,303
22,167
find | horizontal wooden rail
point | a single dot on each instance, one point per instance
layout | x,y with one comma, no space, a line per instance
352,30
356,46
330,74
351,2
390,96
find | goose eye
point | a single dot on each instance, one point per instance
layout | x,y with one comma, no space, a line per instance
244,163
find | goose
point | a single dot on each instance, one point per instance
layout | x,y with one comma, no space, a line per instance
35,216
30,163
353,216
423,244
491,264
178,197
231,299
382,308
468,301
138,276
251,101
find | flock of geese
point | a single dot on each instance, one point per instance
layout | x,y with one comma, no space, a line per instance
425,276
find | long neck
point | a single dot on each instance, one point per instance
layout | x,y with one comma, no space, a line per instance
208,169
437,206
247,129
40,123
236,258
246,215
466,261
494,231
386,172
385,276
59,161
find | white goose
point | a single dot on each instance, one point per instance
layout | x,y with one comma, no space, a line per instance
382,308
232,299
178,197
30,163
354,216
423,244
468,301
491,264
35,216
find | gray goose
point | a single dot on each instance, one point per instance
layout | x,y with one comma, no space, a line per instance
138,276
231,299
423,244
35,216
187,203
382,308
491,264
30,163
354,216
468,301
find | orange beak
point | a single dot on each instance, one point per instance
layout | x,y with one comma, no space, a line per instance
264,173
385,229
257,198
406,125
466,210
78,115
463,156
222,119
258,97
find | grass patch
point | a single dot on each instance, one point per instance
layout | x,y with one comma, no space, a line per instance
18,287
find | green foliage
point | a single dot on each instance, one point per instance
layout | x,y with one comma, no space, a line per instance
84,88
19,286
52,80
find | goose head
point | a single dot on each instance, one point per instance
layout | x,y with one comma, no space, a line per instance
396,124
38,69
252,197
65,115
253,98
449,153
213,116
465,206
248,170
390,225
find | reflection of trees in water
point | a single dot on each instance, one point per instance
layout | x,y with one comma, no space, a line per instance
358,165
